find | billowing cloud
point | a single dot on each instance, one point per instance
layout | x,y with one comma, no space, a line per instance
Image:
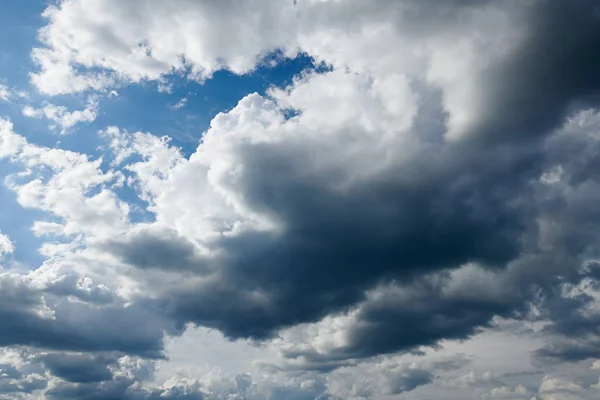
161,38
436,179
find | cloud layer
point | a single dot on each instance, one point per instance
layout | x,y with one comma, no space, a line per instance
436,180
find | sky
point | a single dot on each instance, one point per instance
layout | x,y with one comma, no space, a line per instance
300,200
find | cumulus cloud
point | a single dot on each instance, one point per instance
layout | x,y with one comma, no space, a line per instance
160,39
262,216
366,184
439,175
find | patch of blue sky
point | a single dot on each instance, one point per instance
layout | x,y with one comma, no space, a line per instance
143,108
19,22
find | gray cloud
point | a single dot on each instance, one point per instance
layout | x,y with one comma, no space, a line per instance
78,368
416,239
161,250
551,72
337,245
14,381
74,326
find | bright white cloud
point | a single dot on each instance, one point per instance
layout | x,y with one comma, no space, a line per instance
64,119
68,192
163,38
10,143
6,245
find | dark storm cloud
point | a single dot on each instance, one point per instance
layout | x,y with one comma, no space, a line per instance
75,326
403,317
565,349
390,325
337,245
13,381
574,334
427,312
67,285
78,368
452,203
127,331
392,248
164,250
574,210
550,74
447,205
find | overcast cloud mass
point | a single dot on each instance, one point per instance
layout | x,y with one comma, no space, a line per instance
406,207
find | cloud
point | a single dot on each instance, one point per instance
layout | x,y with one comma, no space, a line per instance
151,249
17,378
496,293
161,39
508,393
363,187
63,118
180,104
275,204
385,377
438,176
554,388
33,319
401,318
6,245
66,191
5,93
9,141
39,304
78,368
512,40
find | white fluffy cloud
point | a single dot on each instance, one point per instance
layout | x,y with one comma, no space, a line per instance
203,36
6,245
62,117
91,46
66,193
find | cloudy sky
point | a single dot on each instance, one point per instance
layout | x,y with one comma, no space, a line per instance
300,199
